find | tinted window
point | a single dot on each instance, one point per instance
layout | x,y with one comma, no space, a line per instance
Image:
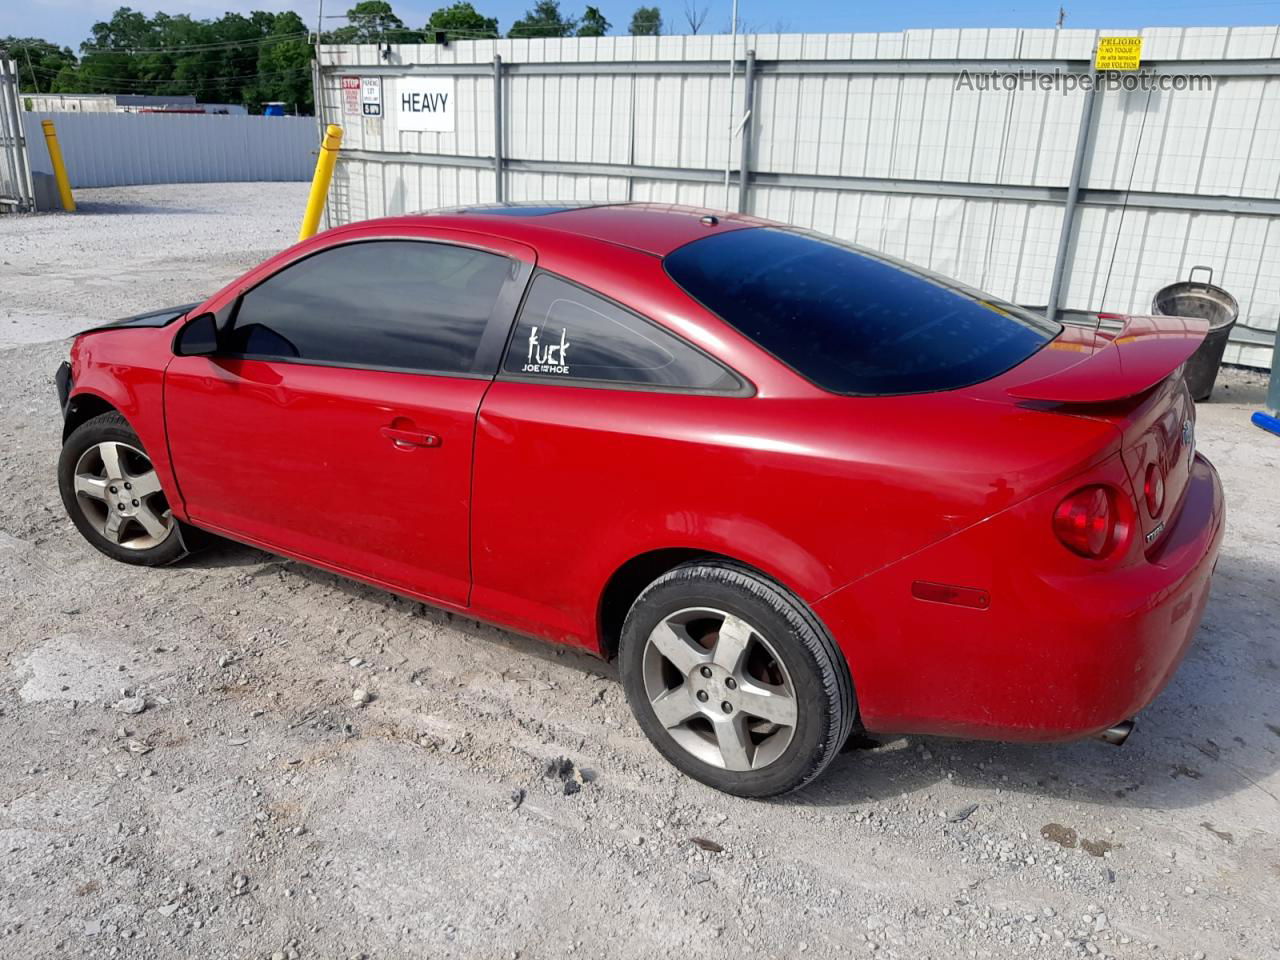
566,333
852,322
388,303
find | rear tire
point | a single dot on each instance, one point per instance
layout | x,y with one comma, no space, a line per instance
734,680
113,496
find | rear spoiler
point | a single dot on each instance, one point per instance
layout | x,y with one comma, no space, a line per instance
1144,352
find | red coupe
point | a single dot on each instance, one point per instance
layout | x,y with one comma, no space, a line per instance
793,486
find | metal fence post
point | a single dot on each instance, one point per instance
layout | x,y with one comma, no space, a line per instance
748,121
1269,419
26,185
1083,150
498,192
1273,385
13,130
6,136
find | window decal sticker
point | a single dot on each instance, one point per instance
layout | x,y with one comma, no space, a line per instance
568,333
549,357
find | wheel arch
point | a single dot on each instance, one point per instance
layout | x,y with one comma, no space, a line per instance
82,407
629,580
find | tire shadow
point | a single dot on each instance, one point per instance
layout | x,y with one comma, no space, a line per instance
1214,732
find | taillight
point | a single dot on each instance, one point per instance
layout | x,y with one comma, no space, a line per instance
1153,491
1088,522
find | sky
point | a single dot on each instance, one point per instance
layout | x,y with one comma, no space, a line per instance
67,22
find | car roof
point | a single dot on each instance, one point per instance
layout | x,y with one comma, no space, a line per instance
650,228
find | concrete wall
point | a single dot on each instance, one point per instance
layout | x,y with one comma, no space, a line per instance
116,149
867,136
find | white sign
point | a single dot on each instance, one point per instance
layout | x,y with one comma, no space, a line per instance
351,96
425,103
371,96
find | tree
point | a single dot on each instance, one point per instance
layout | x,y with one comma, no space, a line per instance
244,59
208,59
39,62
462,19
284,67
646,22
544,20
127,29
373,21
593,23
695,15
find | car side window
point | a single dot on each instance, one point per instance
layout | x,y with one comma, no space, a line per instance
389,304
570,334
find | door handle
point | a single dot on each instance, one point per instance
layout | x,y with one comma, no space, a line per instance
404,439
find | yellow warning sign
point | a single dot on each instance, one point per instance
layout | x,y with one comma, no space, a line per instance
1118,53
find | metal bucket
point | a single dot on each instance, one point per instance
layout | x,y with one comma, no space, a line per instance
1203,300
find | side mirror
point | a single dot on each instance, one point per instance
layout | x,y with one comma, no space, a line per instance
198,337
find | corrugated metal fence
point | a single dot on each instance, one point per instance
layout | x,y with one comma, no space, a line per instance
878,138
118,149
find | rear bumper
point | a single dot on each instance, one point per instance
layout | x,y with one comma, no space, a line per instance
1065,649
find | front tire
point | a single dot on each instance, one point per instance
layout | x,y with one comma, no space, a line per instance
113,495
734,680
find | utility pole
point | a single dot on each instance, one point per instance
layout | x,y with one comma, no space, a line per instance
733,62
1062,17
31,70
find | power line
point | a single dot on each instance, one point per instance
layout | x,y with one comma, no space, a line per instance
550,31
1124,207
117,80
87,50
121,78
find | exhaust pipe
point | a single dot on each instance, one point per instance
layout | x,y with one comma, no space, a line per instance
1117,735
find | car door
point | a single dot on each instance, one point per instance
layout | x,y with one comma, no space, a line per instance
335,418
596,429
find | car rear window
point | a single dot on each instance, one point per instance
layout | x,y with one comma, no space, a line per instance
853,322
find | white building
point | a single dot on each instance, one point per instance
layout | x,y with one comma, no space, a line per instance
123,103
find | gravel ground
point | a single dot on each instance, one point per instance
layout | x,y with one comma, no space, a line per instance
254,809
129,248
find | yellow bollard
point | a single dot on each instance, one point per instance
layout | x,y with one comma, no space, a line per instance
320,182
59,168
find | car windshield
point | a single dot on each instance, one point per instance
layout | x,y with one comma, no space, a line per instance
851,321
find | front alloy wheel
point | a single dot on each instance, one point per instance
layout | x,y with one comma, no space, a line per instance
113,495
119,493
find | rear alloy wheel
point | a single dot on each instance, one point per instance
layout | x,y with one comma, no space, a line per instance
719,688
113,495
734,681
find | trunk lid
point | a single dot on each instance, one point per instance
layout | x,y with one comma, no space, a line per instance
1160,433
1157,431
1109,367
1132,380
